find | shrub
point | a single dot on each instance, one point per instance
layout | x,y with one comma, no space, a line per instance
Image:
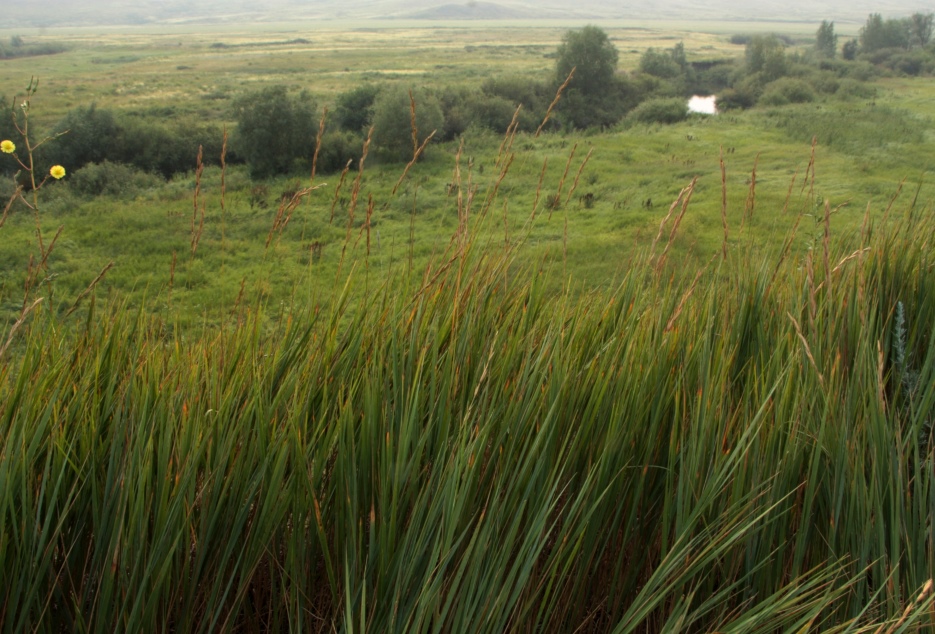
392,129
853,89
787,90
87,135
732,99
274,130
111,179
337,148
354,109
660,110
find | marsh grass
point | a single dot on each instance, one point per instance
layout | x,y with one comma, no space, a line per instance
743,444
735,448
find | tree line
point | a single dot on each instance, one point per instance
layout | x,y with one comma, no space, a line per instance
275,131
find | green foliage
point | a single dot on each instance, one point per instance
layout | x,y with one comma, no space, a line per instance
660,110
826,40
765,55
593,56
659,64
111,179
86,135
742,449
875,128
850,49
878,34
392,121
787,90
354,109
19,47
274,130
920,29
337,148
95,135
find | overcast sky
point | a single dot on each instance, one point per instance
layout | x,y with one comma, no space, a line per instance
50,13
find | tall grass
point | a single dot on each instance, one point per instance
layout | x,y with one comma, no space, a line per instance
746,448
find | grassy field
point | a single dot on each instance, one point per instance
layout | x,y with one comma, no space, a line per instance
653,379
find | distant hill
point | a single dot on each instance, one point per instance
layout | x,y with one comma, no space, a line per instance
51,13
478,11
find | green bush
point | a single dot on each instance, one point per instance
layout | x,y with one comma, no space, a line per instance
392,128
353,109
274,130
660,110
337,148
85,135
111,179
787,90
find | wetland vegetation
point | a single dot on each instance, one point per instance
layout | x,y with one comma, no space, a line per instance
413,329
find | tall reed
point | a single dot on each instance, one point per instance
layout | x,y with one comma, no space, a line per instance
747,448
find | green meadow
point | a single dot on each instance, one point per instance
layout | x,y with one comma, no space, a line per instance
641,378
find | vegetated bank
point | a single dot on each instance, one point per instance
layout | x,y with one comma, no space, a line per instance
747,447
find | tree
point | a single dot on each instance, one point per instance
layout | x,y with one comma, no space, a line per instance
392,121
826,41
850,49
592,55
85,135
273,130
354,108
659,64
877,34
765,54
920,29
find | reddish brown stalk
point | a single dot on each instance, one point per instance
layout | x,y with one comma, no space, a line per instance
812,304
496,186
321,132
172,274
558,96
19,322
889,207
785,251
415,157
826,260
196,231
811,168
462,220
291,205
337,190
506,225
412,221
355,192
561,182
535,204
412,122
808,350
662,225
223,191
678,221
506,145
90,288
685,296
581,167
723,203
785,205
750,205
6,210
48,252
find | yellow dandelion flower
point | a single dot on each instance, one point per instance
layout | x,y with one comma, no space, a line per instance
57,171
7,146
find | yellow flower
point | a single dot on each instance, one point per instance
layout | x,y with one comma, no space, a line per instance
57,171
7,146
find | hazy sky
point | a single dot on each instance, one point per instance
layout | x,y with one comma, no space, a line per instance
98,12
